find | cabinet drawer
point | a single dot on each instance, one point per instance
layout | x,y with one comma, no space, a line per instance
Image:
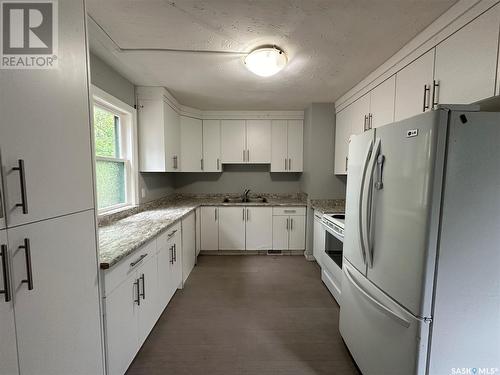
167,236
119,273
289,211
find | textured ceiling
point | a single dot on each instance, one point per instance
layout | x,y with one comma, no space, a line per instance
331,45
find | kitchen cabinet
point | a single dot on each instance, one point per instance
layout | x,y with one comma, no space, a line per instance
209,228
188,245
60,302
211,146
466,62
414,87
147,275
258,141
174,244
233,141
360,111
169,265
191,130
287,144
382,103
198,231
158,135
318,238
259,228
342,137
289,228
8,346
231,228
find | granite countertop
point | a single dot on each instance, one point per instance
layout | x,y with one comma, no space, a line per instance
121,234
328,206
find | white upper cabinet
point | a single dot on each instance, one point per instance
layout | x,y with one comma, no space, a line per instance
233,142
342,136
466,62
158,135
414,87
287,144
211,146
360,111
382,103
258,141
191,144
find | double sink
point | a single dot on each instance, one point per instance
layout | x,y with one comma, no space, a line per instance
244,200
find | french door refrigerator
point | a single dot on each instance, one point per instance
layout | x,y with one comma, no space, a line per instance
421,281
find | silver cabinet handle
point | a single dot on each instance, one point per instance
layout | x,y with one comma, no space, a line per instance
248,155
370,121
138,260
138,300
248,214
291,223
171,234
427,90
22,182
215,214
290,211
289,164
201,164
346,159
175,158
435,92
243,214
29,270
243,154
286,165
143,294
171,249
218,164
287,219
365,123
6,274
175,253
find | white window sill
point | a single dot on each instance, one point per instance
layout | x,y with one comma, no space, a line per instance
112,211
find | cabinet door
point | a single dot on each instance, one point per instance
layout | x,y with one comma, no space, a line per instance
279,146
342,134
122,326
297,231
211,146
466,62
151,137
164,260
63,306
172,137
147,274
233,141
295,145
382,103
45,122
198,231
188,245
8,346
360,110
280,232
318,241
258,141
209,231
259,228
232,228
176,265
191,144
414,87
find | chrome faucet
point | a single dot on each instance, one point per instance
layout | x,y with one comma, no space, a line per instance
244,197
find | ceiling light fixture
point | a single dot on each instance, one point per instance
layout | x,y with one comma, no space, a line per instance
266,61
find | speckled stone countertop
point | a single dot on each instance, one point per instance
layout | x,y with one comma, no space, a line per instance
122,233
328,206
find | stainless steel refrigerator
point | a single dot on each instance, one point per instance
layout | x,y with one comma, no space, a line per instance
421,275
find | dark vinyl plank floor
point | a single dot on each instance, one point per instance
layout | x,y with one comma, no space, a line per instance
251,315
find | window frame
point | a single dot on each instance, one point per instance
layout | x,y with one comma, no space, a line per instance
127,138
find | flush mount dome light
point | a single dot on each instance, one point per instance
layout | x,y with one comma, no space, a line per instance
266,61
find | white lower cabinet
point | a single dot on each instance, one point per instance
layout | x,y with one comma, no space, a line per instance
259,228
58,323
8,347
209,228
188,245
289,228
231,228
318,239
136,291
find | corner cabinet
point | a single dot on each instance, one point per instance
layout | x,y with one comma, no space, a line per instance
158,133
191,130
287,146
211,146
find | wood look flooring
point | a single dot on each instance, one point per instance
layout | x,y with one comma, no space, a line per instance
248,315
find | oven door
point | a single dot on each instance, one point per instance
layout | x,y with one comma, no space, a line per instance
332,262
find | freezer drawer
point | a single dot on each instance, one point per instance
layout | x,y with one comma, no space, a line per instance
382,337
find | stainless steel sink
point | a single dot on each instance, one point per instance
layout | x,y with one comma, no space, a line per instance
247,200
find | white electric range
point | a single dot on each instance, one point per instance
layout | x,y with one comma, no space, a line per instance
331,273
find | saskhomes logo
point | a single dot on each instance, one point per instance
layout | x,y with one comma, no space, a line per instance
29,34
474,371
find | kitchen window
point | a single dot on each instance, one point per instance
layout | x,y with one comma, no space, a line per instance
114,145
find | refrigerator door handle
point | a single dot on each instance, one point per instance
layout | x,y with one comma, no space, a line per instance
366,202
379,305
360,207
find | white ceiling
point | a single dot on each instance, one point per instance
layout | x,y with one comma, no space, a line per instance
331,45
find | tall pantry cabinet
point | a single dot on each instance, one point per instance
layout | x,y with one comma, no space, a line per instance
49,306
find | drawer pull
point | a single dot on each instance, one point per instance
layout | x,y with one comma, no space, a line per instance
290,211
138,260
172,233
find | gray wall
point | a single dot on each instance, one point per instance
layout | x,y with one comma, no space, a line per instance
236,178
155,185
